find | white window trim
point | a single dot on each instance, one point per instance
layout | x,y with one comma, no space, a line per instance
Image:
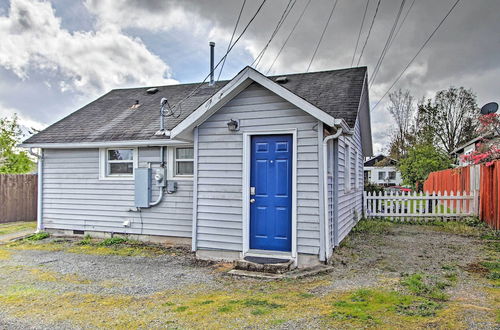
356,169
347,167
103,157
171,163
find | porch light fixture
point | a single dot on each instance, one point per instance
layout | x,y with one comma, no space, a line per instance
233,125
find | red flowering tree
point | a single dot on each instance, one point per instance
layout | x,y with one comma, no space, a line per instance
488,149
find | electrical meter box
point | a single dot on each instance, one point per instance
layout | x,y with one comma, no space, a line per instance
142,187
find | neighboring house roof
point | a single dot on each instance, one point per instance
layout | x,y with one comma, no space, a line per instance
112,117
461,148
379,158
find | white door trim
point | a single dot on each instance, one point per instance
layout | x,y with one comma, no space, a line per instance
247,158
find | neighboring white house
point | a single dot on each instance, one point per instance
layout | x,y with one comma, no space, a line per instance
253,166
386,175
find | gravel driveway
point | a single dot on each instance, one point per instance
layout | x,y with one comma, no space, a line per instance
43,286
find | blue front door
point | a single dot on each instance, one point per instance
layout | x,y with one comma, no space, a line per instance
271,193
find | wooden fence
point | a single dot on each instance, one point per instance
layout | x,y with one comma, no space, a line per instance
419,206
482,180
18,197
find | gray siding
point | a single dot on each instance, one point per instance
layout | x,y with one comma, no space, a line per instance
75,199
220,169
350,201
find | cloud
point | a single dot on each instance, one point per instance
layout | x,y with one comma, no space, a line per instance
84,62
27,123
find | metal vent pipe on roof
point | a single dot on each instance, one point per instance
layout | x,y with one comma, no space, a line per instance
212,46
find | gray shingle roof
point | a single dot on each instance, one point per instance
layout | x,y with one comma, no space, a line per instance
110,117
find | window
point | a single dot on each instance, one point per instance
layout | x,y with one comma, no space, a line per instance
118,163
356,170
381,175
392,175
347,168
184,161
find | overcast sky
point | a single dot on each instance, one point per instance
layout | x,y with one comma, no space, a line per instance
56,56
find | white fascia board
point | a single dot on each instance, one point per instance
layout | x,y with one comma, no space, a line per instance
238,84
105,144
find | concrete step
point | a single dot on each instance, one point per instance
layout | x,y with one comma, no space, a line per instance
265,265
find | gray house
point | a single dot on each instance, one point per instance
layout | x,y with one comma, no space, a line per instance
254,166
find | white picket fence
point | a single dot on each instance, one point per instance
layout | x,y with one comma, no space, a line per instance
419,205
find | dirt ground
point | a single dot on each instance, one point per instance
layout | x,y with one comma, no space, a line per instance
385,276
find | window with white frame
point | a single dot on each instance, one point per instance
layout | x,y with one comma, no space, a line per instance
347,168
381,175
183,161
356,170
118,162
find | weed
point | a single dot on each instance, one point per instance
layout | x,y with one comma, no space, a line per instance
306,295
87,240
259,311
225,309
113,241
448,267
206,302
374,226
168,303
419,308
181,309
38,236
416,284
262,303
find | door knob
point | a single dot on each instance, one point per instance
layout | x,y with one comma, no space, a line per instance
252,200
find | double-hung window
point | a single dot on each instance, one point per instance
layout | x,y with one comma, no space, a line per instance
118,163
183,162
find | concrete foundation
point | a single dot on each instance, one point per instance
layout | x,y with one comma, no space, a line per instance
303,260
168,240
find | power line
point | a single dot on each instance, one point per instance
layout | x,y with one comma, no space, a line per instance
322,35
232,36
289,35
282,19
387,43
369,32
223,57
402,22
419,51
359,34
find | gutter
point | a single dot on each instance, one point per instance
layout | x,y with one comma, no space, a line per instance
39,223
105,144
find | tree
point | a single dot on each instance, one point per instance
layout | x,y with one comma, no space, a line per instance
402,111
12,160
421,160
450,119
488,150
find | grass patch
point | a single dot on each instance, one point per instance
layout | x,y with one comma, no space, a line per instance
421,285
111,246
373,226
113,241
14,227
38,236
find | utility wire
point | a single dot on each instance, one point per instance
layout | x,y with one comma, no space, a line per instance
223,57
419,51
289,35
402,22
322,35
282,19
359,34
232,36
369,32
387,44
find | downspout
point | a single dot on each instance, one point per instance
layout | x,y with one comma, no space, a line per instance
326,140
194,230
39,223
